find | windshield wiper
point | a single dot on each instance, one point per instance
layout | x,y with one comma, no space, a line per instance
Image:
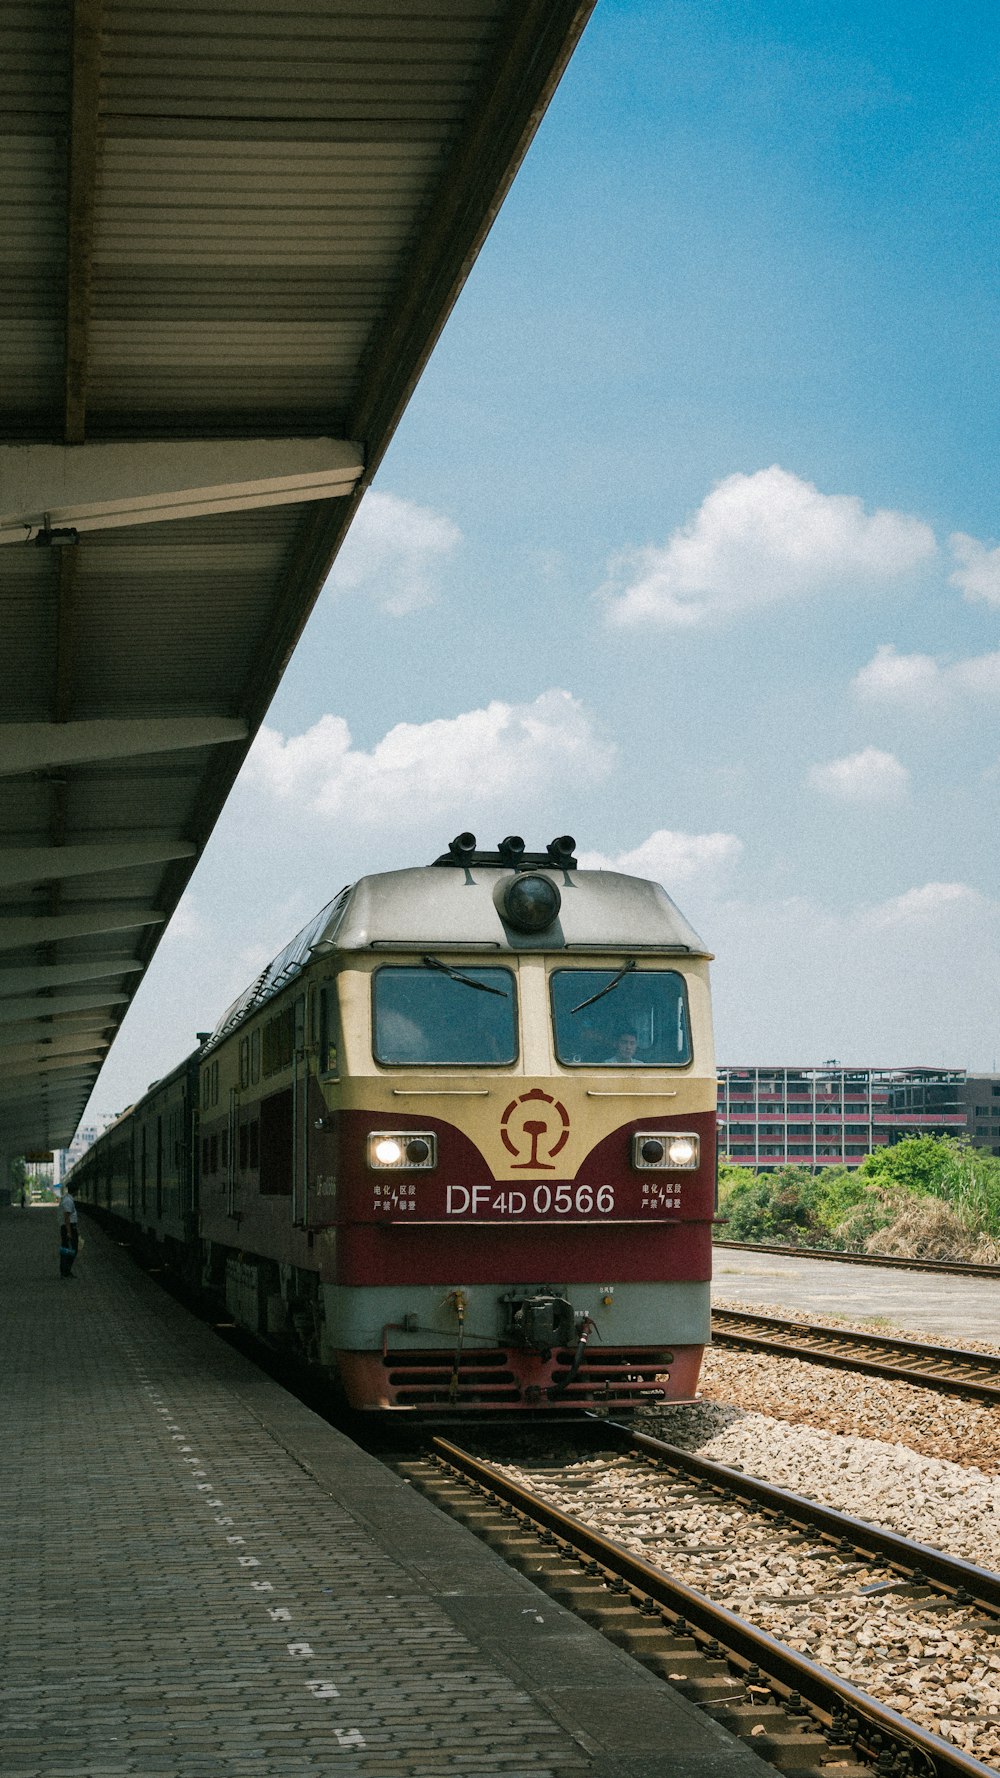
457,976
613,983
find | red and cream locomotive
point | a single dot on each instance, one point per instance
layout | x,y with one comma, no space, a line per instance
456,1145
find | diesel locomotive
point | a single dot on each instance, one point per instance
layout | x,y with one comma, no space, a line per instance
455,1145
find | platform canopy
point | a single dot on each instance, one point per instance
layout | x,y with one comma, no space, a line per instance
232,231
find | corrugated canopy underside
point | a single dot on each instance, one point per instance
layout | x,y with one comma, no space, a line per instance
232,220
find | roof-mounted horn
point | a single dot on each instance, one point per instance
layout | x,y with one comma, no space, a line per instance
561,850
511,850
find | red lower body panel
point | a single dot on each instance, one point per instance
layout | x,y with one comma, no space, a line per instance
610,1378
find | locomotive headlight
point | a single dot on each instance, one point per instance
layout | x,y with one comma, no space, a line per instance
528,902
682,1151
402,1150
664,1151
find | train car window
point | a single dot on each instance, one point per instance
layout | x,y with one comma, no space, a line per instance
328,1031
620,1018
436,1014
276,1144
255,1056
279,1042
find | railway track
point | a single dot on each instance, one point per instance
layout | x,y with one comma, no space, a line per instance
792,1710
958,1268
949,1368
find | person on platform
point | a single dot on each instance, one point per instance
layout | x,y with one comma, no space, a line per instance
69,1233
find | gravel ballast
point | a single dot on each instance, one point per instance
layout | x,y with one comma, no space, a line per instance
804,1393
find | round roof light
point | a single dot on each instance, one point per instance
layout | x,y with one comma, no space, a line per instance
530,903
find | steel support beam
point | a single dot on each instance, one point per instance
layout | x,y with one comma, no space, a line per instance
49,1131
18,931
76,1066
59,975
46,864
38,746
84,1045
14,1010
24,1106
41,1030
46,488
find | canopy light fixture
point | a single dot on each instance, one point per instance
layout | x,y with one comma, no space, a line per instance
48,536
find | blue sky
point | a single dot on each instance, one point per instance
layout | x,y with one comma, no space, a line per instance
687,543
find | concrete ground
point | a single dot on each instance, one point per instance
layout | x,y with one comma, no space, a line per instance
203,1579
934,1306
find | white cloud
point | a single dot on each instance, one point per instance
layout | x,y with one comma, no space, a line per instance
451,765
899,678
978,573
758,539
910,980
675,859
918,681
928,906
870,776
393,551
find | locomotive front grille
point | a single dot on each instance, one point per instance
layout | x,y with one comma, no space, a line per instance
614,1379
420,1379
611,1379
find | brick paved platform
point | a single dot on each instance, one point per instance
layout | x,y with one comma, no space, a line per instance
203,1579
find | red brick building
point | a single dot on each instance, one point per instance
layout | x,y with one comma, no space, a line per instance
834,1116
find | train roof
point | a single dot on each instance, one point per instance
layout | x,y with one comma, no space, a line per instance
427,908
445,909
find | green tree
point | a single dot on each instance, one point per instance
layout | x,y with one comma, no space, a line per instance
847,1207
779,1206
917,1164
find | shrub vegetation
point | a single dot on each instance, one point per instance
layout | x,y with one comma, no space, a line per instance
929,1196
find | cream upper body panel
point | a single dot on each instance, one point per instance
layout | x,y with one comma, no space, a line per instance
455,916
494,1104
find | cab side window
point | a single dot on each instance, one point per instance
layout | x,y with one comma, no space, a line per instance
329,1056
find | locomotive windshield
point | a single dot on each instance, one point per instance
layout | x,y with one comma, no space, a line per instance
621,1018
434,1013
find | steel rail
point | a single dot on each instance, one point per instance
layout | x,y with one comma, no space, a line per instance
951,1574
956,1267
967,1372
791,1671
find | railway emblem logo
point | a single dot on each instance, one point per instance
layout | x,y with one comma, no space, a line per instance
538,1123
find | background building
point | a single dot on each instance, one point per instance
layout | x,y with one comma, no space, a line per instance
834,1116
65,1158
